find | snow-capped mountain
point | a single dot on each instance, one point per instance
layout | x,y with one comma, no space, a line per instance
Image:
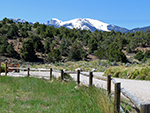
116,28
54,22
80,23
88,24
85,23
16,20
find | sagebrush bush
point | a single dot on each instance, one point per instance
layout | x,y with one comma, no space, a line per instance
141,73
135,73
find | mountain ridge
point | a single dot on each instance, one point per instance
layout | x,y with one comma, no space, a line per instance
85,23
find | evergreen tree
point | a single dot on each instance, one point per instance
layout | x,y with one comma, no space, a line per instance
63,49
24,33
10,50
54,56
139,55
147,54
77,52
100,53
27,50
3,44
38,46
114,53
36,25
13,31
92,44
47,44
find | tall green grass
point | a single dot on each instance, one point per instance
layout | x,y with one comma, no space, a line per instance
37,95
138,73
2,67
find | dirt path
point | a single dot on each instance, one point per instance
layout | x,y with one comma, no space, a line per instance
141,89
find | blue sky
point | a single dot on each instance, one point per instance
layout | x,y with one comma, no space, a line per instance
124,13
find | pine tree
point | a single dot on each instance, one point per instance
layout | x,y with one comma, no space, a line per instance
27,50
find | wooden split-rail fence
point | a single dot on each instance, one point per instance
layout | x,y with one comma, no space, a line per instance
143,107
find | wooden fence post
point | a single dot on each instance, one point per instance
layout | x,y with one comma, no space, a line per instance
28,74
78,77
108,84
50,74
0,68
18,70
6,68
145,108
90,79
117,98
62,75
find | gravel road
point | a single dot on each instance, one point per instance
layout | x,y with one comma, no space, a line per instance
141,89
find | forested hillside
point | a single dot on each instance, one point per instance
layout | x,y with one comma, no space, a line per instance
37,42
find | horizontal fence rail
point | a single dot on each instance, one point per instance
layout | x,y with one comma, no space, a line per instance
143,107
100,78
23,69
84,74
84,84
133,98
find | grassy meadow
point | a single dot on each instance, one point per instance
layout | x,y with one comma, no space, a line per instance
38,95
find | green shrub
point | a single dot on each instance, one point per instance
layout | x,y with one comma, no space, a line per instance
144,59
77,52
135,73
129,73
142,76
147,54
100,53
114,53
54,56
145,71
27,51
116,74
147,78
20,39
139,55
